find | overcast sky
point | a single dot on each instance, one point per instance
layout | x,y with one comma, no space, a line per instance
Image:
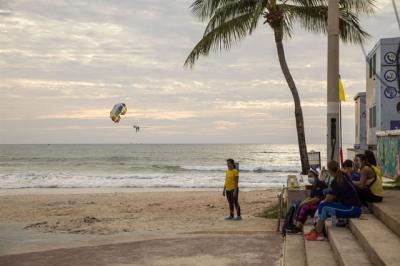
64,64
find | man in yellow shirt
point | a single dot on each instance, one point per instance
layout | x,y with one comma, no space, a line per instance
231,189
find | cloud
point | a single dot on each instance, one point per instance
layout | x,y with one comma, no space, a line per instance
83,114
64,64
224,124
152,114
4,12
271,104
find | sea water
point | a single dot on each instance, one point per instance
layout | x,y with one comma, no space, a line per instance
146,165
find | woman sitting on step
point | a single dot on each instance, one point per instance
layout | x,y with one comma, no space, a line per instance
369,187
309,206
341,202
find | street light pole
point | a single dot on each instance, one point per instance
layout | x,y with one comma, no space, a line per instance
333,105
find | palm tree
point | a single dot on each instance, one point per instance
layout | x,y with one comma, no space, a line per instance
229,21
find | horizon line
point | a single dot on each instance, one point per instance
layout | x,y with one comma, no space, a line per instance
167,143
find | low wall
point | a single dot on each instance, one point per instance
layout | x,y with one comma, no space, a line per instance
388,147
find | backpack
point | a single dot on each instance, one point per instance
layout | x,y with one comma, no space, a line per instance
288,223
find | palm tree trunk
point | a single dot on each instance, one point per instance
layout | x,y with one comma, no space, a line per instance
297,106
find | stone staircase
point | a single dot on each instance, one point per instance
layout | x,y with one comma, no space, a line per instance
374,239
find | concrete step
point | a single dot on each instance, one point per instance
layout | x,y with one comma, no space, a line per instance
347,250
388,211
378,241
294,251
319,252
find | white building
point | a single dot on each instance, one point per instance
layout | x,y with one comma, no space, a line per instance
383,95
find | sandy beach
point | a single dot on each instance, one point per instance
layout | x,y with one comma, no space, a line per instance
109,213
98,217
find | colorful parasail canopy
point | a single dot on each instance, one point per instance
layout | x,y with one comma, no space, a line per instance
118,110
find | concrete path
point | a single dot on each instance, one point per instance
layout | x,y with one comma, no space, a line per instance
253,249
249,244
14,239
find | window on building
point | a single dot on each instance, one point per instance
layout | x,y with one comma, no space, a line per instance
372,117
358,118
374,64
370,67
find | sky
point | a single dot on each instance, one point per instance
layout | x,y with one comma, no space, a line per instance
64,64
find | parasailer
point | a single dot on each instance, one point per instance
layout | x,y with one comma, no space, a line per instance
118,110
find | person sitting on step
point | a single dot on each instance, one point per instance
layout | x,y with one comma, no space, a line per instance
341,202
309,206
369,187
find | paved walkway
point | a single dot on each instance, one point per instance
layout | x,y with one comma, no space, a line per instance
244,246
251,249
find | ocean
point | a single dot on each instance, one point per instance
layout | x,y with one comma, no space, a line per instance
146,165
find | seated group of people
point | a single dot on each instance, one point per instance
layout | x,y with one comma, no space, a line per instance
340,193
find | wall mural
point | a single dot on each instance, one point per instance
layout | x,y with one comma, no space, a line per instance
388,149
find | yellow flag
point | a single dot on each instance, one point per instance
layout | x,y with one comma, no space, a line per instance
342,95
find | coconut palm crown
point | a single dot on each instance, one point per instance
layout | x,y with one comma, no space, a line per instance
229,21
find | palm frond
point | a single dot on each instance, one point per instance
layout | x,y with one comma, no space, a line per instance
350,30
205,9
315,19
229,21
311,18
305,3
287,24
359,7
231,10
223,36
